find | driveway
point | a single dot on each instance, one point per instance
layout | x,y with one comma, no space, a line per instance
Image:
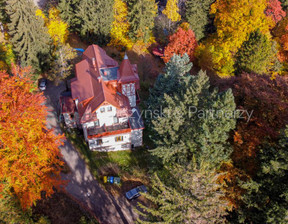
82,185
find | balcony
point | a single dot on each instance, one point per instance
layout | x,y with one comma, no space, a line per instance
104,128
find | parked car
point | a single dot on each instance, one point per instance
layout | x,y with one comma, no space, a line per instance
136,192
42,84
111,179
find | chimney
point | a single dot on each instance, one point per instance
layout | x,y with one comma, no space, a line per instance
94,62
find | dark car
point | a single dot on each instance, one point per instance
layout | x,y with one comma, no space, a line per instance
42,84
135,192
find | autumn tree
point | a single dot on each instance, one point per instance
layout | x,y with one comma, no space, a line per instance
62,66
29,35
255,54
275,11
171,11
197,15
120,25
96,19
181,42
190,195
141,16
68,13
29,152
57,29
234,22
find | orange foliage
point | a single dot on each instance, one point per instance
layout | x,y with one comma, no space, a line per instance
29,153
183,41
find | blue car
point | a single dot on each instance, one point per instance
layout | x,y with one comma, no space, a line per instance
135,192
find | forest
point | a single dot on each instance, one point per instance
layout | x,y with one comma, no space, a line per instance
217,69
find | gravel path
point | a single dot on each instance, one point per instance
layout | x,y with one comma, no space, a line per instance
82,185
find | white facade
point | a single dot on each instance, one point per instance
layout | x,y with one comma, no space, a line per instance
129,91
111,143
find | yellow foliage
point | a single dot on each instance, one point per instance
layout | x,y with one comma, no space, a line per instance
120,26
57,29
171,11
235,20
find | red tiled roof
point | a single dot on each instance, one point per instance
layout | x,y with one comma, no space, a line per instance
127,72
67,104
90,89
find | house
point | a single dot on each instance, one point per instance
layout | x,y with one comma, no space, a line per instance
103,102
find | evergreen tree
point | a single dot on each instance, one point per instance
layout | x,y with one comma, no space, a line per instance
197,15
141,14
29,35
96,19
195,122
255,54
171,81
284,4
68,13
266,198
3,14
190,196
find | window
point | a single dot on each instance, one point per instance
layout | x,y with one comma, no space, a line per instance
102,109
118,138
116,120
96,123
109,108
99,141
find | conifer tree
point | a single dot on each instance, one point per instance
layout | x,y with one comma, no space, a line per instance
171,11
190,195
68,13
96,20
255,54
266,197
141,16
29,35
196,123
171,81
120,25
197,15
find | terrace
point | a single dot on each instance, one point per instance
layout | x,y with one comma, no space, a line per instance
104,128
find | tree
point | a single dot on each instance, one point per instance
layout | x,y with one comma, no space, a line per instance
11,211
68,13
96,19
275,11
234,21
255,54
120,26
191,196
62,66
171,81
29,153
29,36
171,11
284,4
194,123
141,16
183,41
57,29
197,15
266,197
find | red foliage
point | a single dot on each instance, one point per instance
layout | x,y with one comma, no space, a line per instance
275,11
29,153
183,41
268,99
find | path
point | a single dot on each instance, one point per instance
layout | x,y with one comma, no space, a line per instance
82,185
